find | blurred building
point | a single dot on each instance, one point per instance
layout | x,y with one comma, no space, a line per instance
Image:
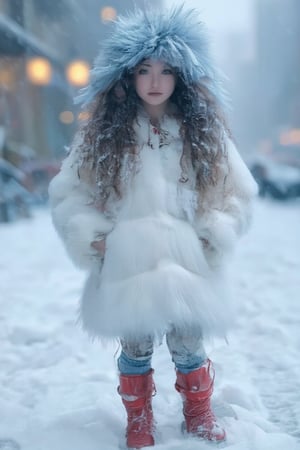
264,76
269,90
278,66
32,83
46,50
239,65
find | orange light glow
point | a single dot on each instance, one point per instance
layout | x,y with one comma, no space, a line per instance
39,71
290,137
8,78
78,73
108,14
66,117
84,115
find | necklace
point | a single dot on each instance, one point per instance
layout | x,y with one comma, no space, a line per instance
155,128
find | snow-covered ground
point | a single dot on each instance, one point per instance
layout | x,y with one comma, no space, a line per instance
58,389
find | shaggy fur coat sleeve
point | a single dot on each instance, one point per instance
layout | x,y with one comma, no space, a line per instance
225,212
74,216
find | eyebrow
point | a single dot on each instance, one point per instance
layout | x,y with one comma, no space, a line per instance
166,66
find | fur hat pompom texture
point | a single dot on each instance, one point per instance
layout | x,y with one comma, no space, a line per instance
176,36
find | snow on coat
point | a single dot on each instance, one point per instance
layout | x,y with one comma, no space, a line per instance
156,272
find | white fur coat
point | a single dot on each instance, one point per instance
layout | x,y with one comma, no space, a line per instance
156,272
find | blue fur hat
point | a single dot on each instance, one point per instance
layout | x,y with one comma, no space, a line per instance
175,36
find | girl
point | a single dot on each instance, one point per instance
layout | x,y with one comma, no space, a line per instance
151,200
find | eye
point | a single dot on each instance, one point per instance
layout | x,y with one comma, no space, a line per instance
167,71
142,71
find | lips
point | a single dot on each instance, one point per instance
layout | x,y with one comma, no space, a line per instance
154,93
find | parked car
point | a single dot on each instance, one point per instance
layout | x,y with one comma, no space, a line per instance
15,197
276,179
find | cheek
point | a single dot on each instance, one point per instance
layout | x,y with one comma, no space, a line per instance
171,86
139,85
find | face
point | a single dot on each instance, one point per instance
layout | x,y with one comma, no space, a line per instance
154,83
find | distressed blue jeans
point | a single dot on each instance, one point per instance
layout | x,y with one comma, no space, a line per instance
186,349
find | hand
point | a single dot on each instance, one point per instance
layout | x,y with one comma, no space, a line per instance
100,246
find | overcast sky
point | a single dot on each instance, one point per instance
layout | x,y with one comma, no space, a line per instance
223,15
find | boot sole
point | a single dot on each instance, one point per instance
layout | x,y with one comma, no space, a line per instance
199,437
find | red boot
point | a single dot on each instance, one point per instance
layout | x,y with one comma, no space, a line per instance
136,392
196,389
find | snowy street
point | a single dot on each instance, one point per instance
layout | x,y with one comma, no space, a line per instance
58,389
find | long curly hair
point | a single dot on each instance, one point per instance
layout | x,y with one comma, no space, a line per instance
108,135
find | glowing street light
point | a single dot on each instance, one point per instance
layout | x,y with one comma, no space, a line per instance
66,117
8,78
39,71
290,137
78,73
108,14
83,115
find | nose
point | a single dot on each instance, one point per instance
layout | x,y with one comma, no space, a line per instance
155,80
